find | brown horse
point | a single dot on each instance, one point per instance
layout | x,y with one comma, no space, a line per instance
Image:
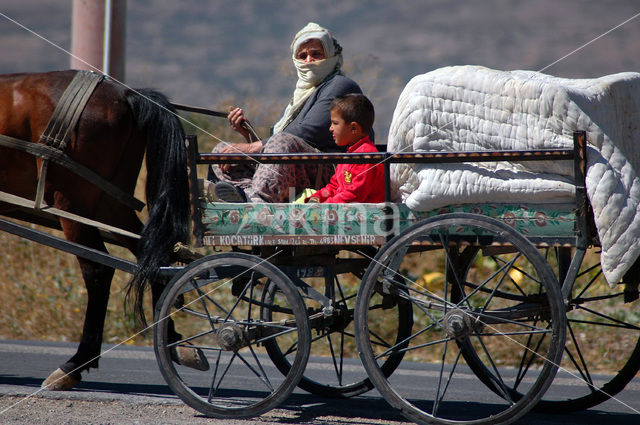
115,130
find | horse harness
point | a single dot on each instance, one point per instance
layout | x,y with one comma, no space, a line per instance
57,134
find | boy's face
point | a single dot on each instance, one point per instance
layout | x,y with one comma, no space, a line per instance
344,133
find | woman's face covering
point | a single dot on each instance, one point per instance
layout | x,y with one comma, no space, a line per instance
310,51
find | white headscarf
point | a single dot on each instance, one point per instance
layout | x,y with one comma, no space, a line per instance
310,74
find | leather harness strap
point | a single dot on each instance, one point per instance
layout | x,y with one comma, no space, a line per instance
57,134
67,112
60,158
64,120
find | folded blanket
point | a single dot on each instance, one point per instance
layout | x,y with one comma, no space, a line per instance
466,108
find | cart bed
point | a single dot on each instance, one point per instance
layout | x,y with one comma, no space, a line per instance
225,224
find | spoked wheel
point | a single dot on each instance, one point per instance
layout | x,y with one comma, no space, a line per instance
602,351
335,369
215,304
480,292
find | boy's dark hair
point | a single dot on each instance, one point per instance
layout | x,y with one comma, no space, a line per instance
355,107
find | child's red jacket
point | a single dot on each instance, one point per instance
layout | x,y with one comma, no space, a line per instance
355,182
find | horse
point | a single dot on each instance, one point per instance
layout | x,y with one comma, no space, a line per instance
112,134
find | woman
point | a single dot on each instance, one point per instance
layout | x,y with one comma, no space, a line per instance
303,127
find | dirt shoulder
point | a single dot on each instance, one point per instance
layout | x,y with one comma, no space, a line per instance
16,410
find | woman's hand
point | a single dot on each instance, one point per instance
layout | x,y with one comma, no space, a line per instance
236,119
239,149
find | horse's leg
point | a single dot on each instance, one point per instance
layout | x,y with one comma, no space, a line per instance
128,219
97,280
183,355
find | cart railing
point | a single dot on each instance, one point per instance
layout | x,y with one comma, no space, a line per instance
584,229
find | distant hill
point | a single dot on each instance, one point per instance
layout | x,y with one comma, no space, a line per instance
219,52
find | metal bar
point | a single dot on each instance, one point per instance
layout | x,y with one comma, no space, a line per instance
196,215
67,246
582,203
388,223
306,290
414,157
572,273
387,181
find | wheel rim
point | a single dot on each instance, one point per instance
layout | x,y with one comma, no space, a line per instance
215,305
602,351
470,336
598,321
333,344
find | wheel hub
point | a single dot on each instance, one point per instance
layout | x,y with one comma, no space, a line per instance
231,337
334,319
340,319
459,324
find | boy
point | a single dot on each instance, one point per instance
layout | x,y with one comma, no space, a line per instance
351,122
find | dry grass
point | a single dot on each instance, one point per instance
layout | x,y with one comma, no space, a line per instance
44,297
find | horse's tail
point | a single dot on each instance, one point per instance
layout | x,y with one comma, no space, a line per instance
167,190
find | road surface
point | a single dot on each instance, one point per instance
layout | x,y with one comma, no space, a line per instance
128,389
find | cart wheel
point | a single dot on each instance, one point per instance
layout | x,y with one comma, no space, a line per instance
599,324
333,344
461,326
215,304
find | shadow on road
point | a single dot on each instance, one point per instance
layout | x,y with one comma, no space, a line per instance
376,408
305,408
148,390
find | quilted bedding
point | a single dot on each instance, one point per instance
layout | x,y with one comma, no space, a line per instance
467,108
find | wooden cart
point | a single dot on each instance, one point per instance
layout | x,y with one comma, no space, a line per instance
490,295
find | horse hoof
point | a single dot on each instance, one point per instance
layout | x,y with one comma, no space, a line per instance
190,357
60,381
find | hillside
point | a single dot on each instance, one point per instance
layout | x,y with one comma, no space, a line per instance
216,53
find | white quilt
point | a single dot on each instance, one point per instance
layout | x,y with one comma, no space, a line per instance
466,108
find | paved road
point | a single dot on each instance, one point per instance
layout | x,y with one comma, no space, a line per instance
129,375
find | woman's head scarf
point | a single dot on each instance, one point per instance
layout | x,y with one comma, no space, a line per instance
310,74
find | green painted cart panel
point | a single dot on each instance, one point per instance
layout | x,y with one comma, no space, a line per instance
228,224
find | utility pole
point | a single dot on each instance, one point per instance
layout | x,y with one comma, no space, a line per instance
98,36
